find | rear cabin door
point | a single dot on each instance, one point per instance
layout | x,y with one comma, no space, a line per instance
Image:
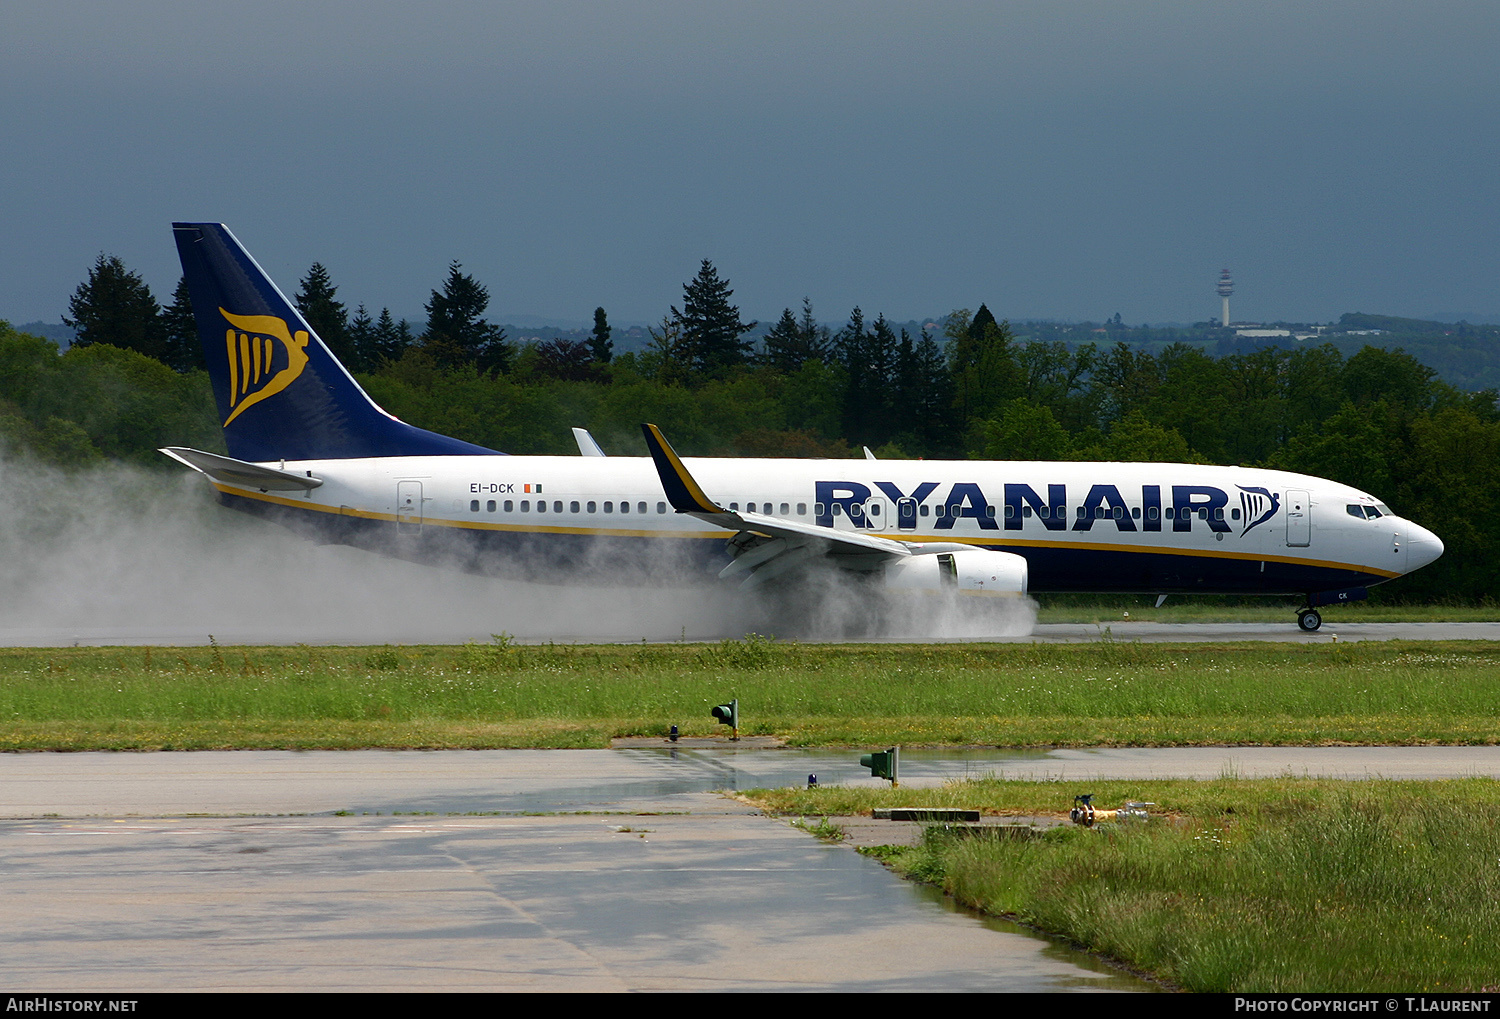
408,507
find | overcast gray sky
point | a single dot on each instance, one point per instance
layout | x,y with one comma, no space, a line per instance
1055,159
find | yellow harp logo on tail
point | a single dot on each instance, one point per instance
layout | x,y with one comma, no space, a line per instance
253,358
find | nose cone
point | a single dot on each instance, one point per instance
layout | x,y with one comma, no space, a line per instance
1422,546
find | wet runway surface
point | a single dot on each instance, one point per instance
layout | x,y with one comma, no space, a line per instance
132,636
522,870
436,871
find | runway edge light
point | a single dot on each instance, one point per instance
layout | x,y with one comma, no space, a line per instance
884,764
729,714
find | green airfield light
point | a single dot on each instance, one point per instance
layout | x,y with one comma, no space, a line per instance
884,764
729,714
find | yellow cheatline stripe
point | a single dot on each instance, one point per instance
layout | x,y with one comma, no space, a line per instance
479,525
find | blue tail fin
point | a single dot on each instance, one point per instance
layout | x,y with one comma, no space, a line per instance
281,394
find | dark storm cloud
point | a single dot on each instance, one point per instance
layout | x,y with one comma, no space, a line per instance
1052,159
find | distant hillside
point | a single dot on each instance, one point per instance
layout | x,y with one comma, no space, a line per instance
55,331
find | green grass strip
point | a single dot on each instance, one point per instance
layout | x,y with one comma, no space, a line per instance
1275,885
1106,693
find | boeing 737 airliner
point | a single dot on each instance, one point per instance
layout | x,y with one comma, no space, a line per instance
310,449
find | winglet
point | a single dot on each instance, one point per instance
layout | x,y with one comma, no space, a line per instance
586,444
682,491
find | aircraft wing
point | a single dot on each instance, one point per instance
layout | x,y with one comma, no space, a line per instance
767,546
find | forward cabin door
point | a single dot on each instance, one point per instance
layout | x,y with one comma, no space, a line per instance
1298,519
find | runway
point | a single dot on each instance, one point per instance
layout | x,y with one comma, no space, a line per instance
522,870
465,631
487,871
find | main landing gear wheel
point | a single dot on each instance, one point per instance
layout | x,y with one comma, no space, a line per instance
1309,620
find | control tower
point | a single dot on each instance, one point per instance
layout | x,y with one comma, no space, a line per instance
1226,287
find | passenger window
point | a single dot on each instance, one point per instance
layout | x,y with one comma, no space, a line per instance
923,510
1167,513
624,507
1046,512
541,505
1218,512
593,507
1026,512
838,509
1010,512
490,506
874,509
749,507
989,511
557,506
661,507
1234,514
573,506
1151,513
802,509
473,505
786,509
817,509
1119,512
734,506
525,505
510,505
609,507
1135,511
1082,513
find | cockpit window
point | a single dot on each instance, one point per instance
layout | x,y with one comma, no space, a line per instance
1372,513
1354,511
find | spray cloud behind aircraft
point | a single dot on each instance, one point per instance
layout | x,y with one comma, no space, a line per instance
121,555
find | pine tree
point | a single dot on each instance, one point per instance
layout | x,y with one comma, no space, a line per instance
184,352
932,406
868,357
985,372
599,342
790,344
388,340
457,332
783,343
115,306
362,341
325,314
710,326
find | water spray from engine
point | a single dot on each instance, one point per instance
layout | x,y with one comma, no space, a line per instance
120,555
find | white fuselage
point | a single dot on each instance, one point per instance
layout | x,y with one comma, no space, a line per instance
1081,526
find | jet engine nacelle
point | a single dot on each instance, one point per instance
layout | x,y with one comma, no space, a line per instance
974,571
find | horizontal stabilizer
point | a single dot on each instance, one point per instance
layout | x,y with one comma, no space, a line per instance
237,472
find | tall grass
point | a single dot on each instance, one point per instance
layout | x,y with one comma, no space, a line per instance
1307,886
